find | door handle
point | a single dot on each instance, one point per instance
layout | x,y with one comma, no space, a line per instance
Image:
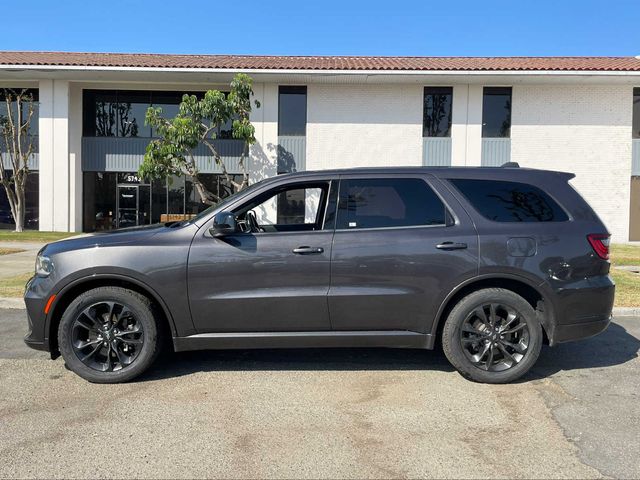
308,250
451,246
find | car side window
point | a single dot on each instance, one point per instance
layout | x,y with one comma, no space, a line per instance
388,202
503,201
298,207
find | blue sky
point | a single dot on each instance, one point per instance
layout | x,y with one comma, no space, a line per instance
328,27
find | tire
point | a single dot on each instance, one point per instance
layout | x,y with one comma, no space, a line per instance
115,354
485,343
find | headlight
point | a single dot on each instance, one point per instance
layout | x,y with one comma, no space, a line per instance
44,266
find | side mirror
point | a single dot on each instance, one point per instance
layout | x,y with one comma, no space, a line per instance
224,223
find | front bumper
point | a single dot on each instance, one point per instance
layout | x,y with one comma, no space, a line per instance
35,298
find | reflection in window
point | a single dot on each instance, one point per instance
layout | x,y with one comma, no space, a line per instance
33,126
437,112
510,201
31,204
496,112
132,108
292,111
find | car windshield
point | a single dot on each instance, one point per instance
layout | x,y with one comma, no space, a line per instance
223,202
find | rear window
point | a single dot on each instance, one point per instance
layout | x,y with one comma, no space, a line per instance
510,201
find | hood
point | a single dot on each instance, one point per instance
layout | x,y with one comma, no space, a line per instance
112,237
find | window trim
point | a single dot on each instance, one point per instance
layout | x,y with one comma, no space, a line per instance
293,90
447,208
496,91
428,90
326,198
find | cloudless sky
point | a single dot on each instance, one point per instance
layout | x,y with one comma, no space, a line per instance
326,27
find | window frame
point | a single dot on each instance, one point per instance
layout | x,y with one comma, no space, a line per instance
433,90
489,90
450,219
328,185
293,90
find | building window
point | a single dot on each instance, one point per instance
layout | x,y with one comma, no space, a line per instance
118,113
496,112
437,112
33,126
636,113
292,111
31,204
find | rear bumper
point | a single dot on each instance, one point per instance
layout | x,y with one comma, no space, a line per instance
583,309
578,331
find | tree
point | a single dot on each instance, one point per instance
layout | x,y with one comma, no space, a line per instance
18,147
197,122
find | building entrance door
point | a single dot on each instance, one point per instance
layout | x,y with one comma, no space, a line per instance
133,205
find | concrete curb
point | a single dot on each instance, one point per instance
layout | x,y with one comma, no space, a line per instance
18,303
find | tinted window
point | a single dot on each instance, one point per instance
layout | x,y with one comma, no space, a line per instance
510,201
132,108
496,112
292,111
388,202
437,112
636,113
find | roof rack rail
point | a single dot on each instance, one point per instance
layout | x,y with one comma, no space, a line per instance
510,165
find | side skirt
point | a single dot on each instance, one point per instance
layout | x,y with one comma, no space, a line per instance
249,340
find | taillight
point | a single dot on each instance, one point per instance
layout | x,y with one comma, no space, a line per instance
600,244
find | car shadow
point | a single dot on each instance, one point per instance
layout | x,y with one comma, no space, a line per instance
615,346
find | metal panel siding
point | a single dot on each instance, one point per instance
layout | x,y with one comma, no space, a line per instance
436,151
292,154
635,162
495,151
114,154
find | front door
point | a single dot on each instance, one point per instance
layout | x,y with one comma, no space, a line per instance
133,205
274,276
400,246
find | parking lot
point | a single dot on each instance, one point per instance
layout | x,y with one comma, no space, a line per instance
323,413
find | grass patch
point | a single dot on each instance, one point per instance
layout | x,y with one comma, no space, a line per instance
33,236
9,251
14,286
625,254
627,288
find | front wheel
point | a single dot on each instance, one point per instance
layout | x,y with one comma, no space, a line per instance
109,335
492,336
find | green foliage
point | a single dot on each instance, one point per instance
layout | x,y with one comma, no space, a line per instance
197,122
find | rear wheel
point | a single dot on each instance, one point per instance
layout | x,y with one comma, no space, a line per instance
492,336
109,335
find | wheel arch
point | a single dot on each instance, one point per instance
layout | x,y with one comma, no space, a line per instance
77,287
533,293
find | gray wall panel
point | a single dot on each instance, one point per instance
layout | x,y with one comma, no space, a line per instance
436,151
495,151
114,154
292,154
635,163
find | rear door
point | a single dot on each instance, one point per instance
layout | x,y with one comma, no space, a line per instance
402,242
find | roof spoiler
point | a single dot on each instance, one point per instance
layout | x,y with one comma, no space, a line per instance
510,165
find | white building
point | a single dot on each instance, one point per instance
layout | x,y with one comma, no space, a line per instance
580,115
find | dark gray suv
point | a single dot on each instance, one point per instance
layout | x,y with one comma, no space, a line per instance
491,262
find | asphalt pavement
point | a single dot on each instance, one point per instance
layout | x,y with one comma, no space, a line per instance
370,413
